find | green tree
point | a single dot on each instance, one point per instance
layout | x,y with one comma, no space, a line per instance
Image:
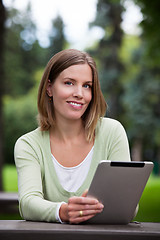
142,98
23,55
2,32
150,26
109,19
20,117
151,60
57,37
141,101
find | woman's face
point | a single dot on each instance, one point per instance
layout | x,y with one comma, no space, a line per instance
72,92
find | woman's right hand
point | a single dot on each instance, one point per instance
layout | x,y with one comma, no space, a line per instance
80,209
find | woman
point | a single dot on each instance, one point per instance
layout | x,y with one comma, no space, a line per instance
57,161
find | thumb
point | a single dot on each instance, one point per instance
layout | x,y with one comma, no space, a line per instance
85,193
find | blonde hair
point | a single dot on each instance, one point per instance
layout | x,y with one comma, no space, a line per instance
55,66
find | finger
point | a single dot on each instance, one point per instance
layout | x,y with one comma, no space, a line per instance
82,200
73,214
79,207
80,219
85,193
88,212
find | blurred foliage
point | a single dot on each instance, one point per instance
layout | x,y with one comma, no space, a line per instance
10,178
19,118
57,37
109,19
142,90
2,33
23,55
149,207
142,103
151,33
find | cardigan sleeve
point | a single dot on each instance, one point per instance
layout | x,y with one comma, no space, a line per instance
32,204
118,144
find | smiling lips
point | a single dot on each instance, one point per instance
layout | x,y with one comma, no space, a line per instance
75,104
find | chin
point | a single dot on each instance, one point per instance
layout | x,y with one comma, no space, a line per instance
75,117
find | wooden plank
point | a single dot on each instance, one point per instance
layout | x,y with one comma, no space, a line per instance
11,229
9,197
8,202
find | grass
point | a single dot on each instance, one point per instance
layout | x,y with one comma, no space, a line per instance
10,185
10,178
149,205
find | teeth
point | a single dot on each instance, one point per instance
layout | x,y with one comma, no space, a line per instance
75,104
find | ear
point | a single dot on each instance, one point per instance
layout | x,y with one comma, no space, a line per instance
49,88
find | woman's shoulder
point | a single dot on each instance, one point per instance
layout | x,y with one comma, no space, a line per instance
33,136
108,123
109,127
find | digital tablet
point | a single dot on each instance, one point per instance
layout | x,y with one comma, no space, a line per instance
119,186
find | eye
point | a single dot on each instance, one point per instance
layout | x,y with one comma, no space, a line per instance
68,83
87,86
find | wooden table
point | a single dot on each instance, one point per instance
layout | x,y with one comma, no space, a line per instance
8,202
24,230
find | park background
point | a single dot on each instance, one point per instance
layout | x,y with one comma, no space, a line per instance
128,62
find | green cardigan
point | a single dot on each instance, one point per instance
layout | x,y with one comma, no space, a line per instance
38,185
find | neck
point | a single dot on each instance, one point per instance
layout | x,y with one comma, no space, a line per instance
68,130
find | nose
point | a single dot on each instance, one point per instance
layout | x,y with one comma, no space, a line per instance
78,93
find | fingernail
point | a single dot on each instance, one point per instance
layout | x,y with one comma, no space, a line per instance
101,205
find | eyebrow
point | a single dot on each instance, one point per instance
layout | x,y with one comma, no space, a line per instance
72,79
89,82
68,78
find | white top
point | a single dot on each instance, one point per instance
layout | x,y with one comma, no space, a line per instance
71,178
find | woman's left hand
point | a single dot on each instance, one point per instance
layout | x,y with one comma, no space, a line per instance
80,209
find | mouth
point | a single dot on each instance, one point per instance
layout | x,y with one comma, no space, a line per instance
76,104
